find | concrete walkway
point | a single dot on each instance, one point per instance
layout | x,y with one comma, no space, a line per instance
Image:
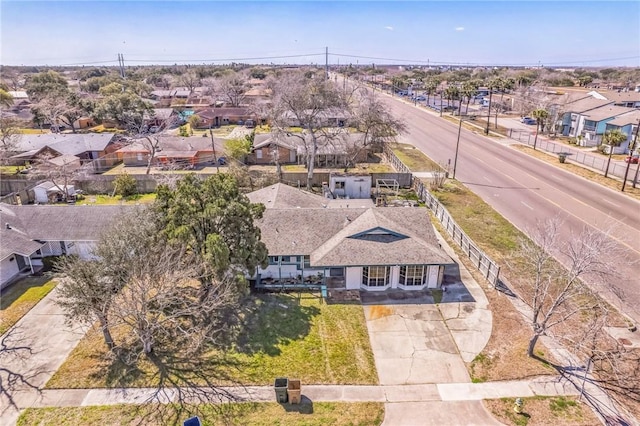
49,339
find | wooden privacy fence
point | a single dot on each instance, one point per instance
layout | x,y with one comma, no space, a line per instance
489,269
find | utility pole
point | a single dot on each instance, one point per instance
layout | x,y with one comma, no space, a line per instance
633,146
455,159
213,147
121,65
326,62
486,131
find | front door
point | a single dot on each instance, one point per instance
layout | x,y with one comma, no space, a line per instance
433,277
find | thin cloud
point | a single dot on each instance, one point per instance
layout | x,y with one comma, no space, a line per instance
459,28
388,28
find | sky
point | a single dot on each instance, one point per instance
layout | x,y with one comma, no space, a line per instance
518,33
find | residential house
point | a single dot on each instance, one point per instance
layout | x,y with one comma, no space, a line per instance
270,149
216,117
347,247
572,121
85,146
629,99
627,124
369,249
188,152
31,232
595,122
159,117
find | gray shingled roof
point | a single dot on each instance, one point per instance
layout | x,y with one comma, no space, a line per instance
301,231
72,144
586,104
383,236
282,196
61,223
629,118
14,240
606,111
327,236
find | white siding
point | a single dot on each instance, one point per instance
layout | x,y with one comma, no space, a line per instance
51,248
353,277
81,248
8,269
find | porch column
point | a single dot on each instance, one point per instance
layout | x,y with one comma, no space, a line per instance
30,264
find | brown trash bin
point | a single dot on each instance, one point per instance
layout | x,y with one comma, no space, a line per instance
294,391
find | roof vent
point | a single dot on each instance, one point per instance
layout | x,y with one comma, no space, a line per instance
7,226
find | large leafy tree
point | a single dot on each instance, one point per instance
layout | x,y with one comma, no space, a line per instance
217,223
6,100
125,108
46,84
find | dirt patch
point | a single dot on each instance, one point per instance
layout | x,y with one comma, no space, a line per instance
379,311
542,411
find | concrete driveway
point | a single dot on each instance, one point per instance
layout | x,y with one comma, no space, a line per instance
412,345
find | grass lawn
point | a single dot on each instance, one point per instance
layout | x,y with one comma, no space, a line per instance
107,199
542,411
255,414
34,131
20,297
10,170
315,342
413,158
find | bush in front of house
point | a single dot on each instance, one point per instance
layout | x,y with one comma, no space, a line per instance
125,185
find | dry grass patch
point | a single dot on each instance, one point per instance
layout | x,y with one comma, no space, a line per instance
542,411
505,355
254,414
592,176
413,158
307,339
20,297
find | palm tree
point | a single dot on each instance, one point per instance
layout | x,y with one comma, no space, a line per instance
468,90
504,85
6,100
612,138
492,85
451,93
540,115
430,88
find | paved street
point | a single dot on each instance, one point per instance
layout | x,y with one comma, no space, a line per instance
525,190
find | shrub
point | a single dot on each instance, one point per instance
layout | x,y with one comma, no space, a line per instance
125,185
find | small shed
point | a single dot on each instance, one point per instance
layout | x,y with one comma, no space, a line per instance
48,192
354,186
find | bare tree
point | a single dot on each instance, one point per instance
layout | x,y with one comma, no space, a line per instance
556,292
306,102
372,118
190,80
61,171
149,137
232,87
9,137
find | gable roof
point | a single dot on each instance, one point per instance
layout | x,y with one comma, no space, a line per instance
12,239
630,118
407,238
283,196
607,111
586,104
60,223
353,236
73,144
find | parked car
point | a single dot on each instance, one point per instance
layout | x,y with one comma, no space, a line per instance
56,128
633,159
528,120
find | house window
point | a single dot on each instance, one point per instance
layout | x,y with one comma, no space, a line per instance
273,260
339,185
259,154
306,262
413,275
375,276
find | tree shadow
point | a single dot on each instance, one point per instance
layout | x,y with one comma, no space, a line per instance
270,320
14,349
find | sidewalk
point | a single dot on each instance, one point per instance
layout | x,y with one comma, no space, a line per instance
544,386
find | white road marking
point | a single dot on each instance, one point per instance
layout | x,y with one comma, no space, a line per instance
526,205
487,179
611,202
